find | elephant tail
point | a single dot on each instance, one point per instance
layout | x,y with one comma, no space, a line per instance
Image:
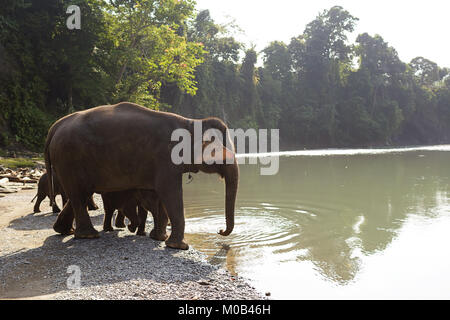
34,197
48,164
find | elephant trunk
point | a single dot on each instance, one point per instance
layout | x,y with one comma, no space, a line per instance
231,175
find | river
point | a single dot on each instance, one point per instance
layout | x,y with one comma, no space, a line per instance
333,224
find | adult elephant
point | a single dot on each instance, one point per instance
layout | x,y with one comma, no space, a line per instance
126,146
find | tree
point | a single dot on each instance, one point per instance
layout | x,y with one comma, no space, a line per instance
386,75
217,78
321,54
249,109
147,50
125,50
318,89
426,71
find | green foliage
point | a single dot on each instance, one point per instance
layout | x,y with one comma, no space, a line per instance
147,50
125,51
318,89
311,90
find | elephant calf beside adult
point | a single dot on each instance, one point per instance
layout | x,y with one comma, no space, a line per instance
43,192
125,147
126,203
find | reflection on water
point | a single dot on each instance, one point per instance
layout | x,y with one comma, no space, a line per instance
327,219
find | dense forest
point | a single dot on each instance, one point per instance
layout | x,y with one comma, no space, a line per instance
318,89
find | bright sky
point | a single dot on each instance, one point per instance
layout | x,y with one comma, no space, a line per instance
414,28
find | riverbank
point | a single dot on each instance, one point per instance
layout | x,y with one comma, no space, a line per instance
34,262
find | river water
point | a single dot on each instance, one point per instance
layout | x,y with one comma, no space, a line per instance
333,224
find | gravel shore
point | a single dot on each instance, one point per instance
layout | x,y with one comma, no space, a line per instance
37,263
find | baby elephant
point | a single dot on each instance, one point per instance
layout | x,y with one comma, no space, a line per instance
126,203
43,191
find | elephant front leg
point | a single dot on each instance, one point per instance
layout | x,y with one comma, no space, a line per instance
171,195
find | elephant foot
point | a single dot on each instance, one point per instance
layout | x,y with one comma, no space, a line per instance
141,233
108,229
62,229
65,232
158,236
36,211
56,209
180,245
86,233
132,228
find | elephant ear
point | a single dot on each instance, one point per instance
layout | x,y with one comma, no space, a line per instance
228,156
216,152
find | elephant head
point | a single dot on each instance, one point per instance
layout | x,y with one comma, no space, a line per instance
217,156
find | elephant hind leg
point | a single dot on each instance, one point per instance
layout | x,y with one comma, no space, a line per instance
84,228
40,198
64,222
